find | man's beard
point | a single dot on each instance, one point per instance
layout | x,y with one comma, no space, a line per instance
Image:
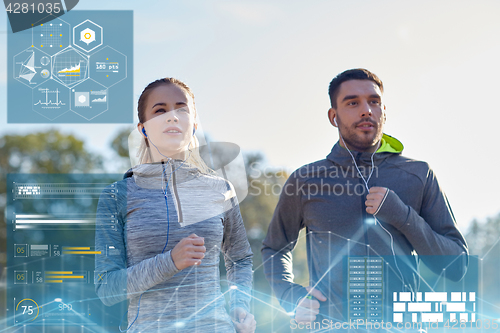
353,141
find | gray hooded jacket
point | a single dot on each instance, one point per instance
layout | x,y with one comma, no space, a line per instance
135,260
328,197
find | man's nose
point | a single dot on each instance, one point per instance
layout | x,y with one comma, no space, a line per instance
366,110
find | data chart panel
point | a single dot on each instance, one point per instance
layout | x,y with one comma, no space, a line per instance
73,69
51,251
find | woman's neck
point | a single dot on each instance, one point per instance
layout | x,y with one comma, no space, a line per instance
157,157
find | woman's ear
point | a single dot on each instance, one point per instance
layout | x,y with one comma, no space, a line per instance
142,130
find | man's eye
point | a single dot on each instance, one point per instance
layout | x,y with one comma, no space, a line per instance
352,103
375,102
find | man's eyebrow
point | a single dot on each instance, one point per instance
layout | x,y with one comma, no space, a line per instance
347,97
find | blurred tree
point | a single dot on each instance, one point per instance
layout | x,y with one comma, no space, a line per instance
120,143
482,236
46,152
483,239
265,184
121,163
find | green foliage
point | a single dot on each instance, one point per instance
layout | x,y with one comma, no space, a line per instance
257,209
45,152
120,143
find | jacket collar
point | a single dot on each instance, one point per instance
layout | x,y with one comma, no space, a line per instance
153,175
389,146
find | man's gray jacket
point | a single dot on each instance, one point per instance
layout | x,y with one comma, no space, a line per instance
328,197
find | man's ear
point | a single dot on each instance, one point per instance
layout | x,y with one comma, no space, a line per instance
332,113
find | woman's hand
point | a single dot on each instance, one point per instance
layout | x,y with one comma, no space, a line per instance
188,252
244,322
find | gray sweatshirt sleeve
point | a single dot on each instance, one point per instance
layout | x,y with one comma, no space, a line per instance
238,255
281,239
114,281
433,233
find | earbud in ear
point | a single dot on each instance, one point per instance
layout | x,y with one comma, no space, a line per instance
144,131
335,121
194,130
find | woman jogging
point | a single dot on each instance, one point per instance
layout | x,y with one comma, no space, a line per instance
173,217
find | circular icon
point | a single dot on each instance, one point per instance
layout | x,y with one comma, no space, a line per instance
45,73
28,308
44,60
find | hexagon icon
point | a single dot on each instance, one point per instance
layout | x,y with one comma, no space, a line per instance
108,66
70,67
51,99
52,37
32,67
89,99
87,35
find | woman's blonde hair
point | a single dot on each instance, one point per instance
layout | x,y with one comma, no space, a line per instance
144,152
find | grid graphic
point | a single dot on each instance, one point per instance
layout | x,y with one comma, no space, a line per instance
51,35
366,289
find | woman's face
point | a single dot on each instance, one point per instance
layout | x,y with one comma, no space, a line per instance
170,119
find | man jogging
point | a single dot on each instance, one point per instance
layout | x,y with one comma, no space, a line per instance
364,204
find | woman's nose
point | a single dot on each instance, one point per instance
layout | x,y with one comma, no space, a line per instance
172,116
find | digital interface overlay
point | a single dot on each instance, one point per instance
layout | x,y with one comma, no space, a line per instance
73,69
51,254
375,293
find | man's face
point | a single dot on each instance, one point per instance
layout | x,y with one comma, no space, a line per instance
359,115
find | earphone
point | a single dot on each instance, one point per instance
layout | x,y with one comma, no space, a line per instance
334,120
164,190
368,189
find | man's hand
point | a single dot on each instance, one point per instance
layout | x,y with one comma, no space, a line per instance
188,252
374,198
244,322
307,309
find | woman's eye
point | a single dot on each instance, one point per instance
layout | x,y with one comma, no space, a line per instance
160,111
183,110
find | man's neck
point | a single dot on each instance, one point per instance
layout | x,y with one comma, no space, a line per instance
370,149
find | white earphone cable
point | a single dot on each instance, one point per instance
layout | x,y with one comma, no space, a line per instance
368,189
